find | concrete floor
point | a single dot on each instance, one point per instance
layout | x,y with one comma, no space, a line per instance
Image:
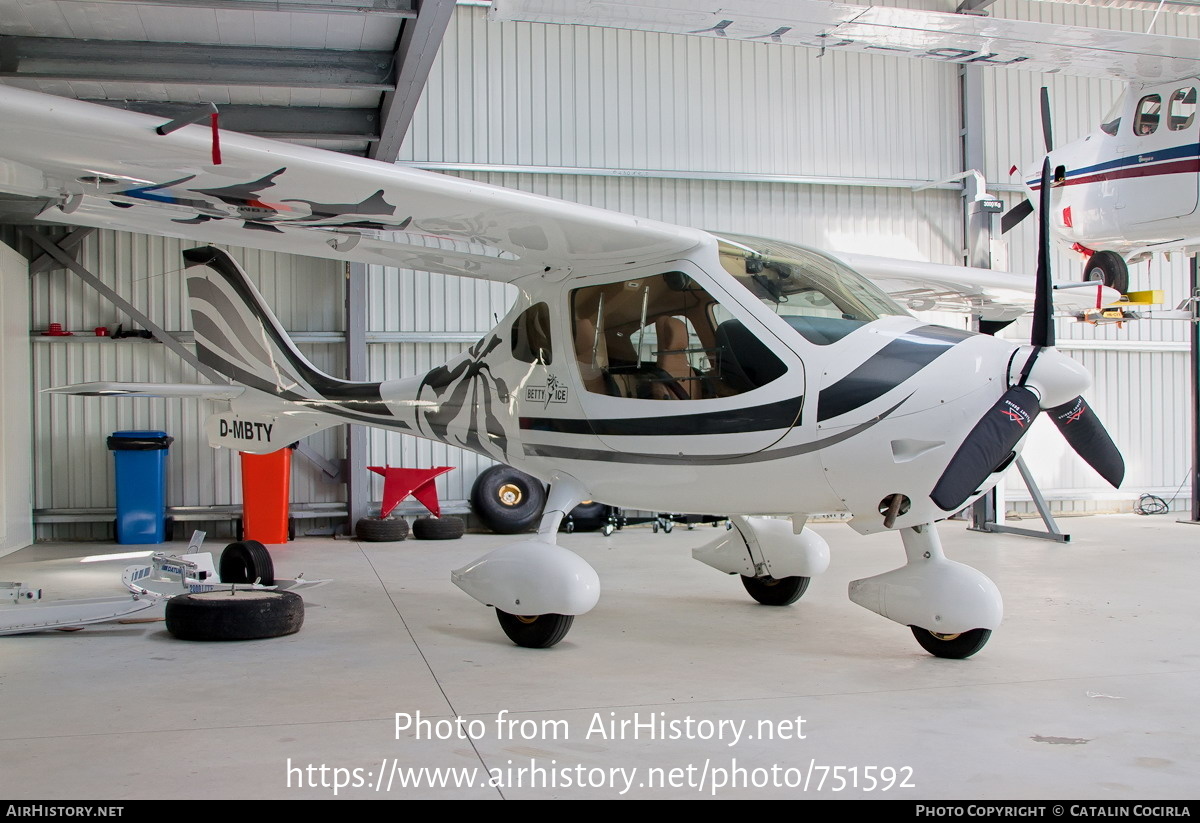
1088,691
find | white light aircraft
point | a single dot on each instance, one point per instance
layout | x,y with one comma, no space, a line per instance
643,364
1125,191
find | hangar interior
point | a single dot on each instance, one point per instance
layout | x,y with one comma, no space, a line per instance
846,151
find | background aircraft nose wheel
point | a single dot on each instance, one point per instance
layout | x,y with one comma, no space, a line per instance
776,592
535,631
1109,268
952,646
508,501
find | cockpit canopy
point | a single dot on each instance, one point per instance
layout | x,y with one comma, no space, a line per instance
818,296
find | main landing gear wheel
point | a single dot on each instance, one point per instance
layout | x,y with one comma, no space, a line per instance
952,646
535,631
507,501
772,592
1108,267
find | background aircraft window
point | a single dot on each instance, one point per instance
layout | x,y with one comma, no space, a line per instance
1146,120
531,335
819,297
665,338
1182,111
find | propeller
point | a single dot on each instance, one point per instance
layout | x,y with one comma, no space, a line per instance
1019,212
990,445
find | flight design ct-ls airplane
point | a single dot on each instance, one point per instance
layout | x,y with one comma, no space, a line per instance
643,364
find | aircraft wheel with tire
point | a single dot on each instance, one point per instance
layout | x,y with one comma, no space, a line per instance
241,615
776,592
1109,268
381,530
588,516
952,646
535,631
508,501
245,562
438,528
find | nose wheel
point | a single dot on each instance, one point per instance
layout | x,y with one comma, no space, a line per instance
535,631
952,646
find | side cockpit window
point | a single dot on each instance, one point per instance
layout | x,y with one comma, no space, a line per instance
531,335
1181,112
665,338
1145,121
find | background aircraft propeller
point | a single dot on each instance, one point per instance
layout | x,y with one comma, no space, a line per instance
989,446
1023,209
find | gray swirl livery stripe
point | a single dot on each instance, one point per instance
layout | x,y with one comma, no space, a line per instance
337,408
887,369
569,453
782,414
363,397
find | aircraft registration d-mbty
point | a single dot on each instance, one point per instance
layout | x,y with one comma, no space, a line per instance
643,364
1125,191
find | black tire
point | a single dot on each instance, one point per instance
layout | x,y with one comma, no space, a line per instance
588,517
1108,267
952,646
508,501
771,592
540,631
438,528
243,615
245,562
376,530
291,528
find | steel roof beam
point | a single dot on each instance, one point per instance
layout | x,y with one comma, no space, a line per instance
119,61
418,46
278,122
385,8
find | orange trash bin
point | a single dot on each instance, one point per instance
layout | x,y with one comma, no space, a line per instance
266,491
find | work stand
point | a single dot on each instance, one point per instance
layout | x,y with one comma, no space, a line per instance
983,512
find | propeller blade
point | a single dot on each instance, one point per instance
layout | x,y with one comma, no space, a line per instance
1090,440
1047,136
1015,215
1043,305
986,448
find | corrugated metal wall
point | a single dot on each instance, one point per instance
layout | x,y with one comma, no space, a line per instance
72,466
578,98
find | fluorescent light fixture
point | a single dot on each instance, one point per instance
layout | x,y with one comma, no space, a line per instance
98,558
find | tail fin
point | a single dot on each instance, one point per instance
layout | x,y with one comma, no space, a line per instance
237,334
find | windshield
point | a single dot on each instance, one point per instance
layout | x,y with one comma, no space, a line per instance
1112,120
821,298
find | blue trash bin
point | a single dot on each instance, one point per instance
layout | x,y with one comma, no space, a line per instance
141,466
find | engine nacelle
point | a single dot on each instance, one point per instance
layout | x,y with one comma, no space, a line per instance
762,547
531,577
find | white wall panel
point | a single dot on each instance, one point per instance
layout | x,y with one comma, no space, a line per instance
577,96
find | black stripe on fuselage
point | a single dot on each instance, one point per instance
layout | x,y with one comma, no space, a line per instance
782,414
888,368
573,453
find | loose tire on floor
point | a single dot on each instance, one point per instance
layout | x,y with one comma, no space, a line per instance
538,631
242,615
447,527
246,561
770,591
508,501
952,646
376,530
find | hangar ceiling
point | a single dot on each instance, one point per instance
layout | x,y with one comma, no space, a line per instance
337,74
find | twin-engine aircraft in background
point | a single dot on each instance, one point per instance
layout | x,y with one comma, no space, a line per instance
643,364
1125,191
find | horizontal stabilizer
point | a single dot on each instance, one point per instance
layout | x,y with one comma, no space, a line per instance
111,389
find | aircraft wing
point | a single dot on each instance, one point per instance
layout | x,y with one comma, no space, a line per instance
993,295
928,35
91,165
